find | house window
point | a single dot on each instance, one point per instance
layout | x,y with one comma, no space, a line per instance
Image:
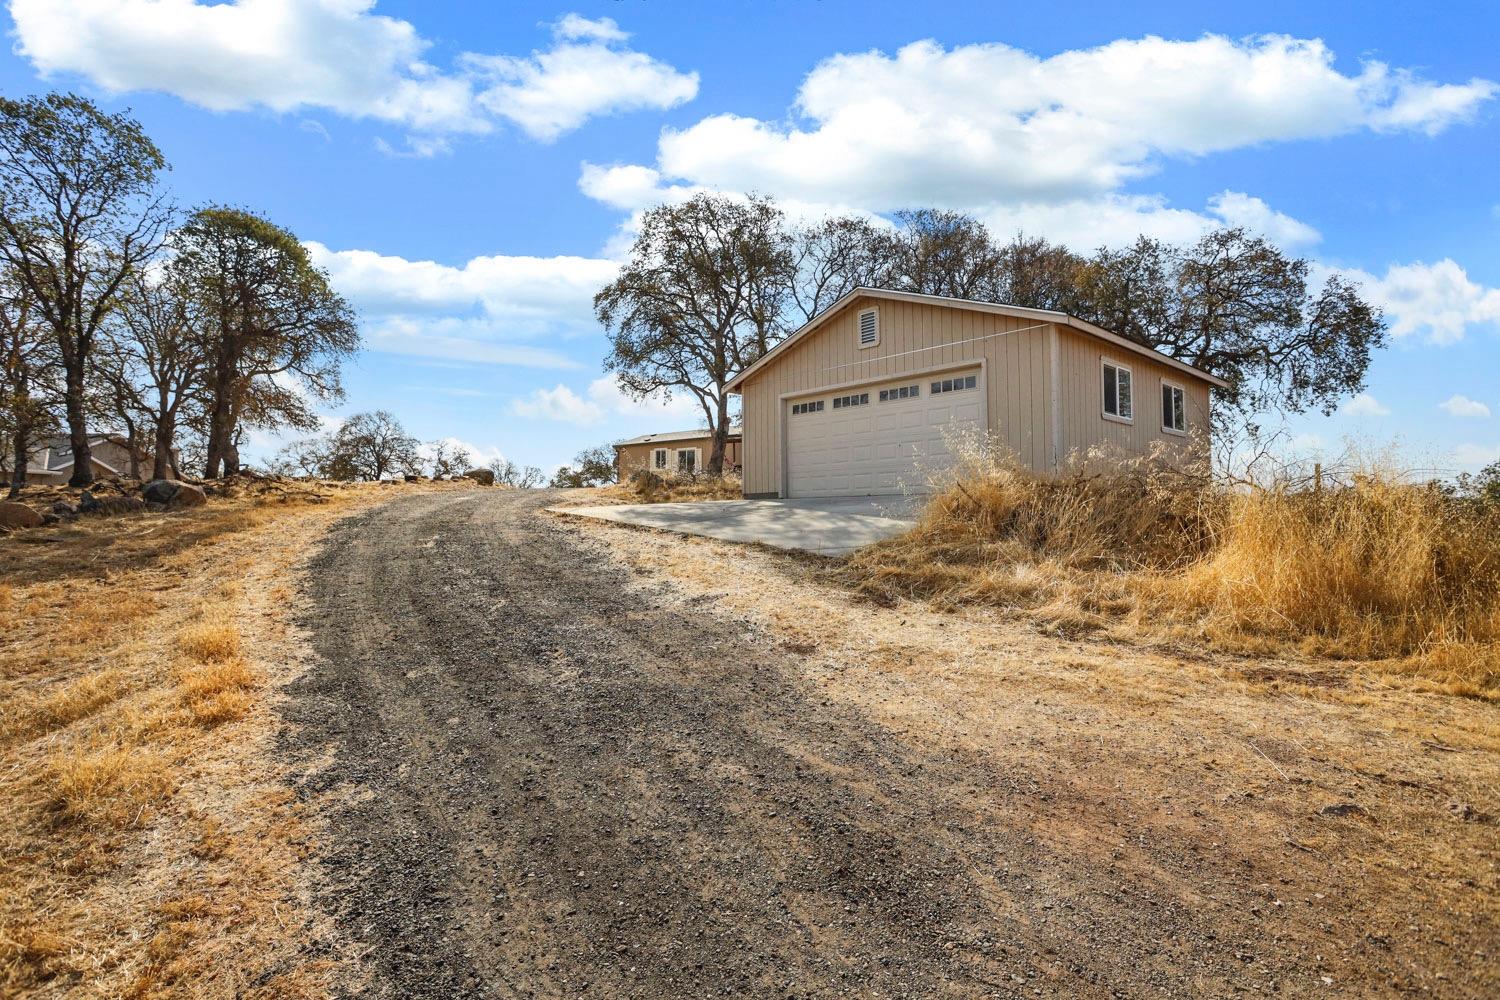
955,384
815,406
905,392
659,458
687,460
844,402
1117,398
869,328
1173,408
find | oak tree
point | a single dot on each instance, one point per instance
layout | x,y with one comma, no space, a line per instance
79,213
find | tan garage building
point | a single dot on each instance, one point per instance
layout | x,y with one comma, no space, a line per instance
865,398
674,452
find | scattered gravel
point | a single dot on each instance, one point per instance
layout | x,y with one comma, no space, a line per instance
559,785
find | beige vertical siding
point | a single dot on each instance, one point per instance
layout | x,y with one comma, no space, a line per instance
914,337
1016,355
1081,402
638,456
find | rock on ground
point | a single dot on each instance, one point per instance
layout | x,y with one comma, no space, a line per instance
174,494
18,515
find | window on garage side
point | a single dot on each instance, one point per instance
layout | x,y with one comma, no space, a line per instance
1173,408
869,328
958,384
1117,394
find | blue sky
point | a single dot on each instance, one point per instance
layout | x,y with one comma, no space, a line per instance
469,173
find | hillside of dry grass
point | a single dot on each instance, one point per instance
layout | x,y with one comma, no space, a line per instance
147,845
1371,568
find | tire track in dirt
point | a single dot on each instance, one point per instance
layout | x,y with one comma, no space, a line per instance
566,788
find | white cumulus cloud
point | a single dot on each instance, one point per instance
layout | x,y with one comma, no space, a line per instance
1463,406
603,400
982,125
1363,404
1473,457
490,309
341,56
1438,302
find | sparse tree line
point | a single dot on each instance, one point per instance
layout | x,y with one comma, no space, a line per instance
714,282
371,446
181,330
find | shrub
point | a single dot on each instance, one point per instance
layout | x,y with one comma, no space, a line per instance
1367,565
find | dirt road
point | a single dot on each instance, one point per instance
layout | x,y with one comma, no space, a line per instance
560,785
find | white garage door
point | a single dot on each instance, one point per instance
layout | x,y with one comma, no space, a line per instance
885,438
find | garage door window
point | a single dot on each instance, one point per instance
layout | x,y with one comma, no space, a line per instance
816,406
955,384
844,402
905,392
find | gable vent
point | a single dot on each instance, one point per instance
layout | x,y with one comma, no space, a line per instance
869,329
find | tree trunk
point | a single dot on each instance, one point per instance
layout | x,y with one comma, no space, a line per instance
132,447
721,434
78,431
231,458
161,450
18,474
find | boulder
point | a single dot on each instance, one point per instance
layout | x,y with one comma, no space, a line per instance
64,510
173,493
90,504
18,515
484,477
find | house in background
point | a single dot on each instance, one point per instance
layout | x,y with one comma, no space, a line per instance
52,463
865,399
674,452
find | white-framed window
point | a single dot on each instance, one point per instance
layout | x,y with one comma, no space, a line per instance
812,406
1118,398
1173,408
687,460
958,384
869,328
904,392
857,399
659,458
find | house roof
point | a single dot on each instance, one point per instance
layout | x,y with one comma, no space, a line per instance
999,309
58,452
734,432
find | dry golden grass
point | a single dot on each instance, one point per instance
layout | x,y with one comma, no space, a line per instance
648,487
1378,569
136,658
210,641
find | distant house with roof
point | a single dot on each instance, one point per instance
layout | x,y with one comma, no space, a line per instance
51,464
674,452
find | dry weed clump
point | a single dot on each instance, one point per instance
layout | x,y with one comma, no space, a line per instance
1367,566
1377,568
651,487
109,785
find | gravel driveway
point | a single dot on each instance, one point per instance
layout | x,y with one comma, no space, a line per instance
562,787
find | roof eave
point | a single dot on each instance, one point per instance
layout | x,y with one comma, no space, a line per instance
1050,315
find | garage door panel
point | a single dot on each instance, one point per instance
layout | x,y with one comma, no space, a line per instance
879,448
